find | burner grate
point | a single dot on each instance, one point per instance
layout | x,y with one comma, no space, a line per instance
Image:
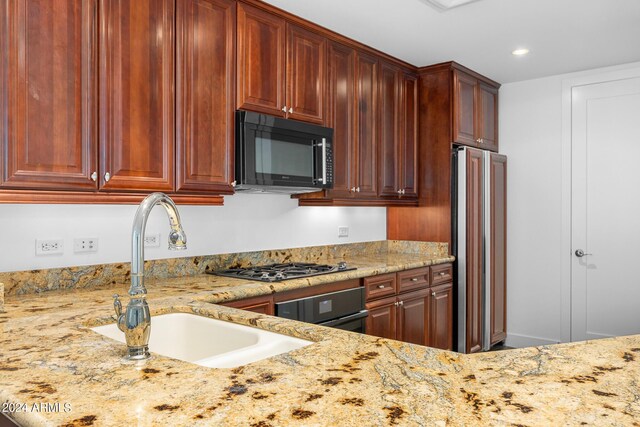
278,272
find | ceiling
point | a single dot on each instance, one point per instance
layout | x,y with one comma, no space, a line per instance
562,35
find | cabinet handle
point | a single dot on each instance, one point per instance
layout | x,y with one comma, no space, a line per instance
284,109
433,294
94,176
400,302
442,273
233,183
380,286
357,189
478,140
291,110
352,189
402,191
414,279
107,177
399,191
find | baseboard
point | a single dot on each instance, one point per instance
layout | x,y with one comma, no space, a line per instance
520,341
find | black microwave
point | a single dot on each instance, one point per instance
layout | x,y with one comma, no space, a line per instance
276,155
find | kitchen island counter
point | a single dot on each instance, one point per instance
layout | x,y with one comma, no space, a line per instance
48,355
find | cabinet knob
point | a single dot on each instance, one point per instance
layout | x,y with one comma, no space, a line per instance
352,189
284,109
233,183
400,302
402,191
380,286
107,177
433,294
478,140
357,189
290,110
399,191
94,176
442,273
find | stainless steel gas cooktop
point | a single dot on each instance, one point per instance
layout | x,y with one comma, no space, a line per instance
278,272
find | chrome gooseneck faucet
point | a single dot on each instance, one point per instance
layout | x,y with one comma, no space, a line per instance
135,322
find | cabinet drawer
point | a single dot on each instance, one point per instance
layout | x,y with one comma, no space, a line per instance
410,280
442,273
380,286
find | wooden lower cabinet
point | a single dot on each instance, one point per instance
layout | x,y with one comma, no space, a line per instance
382,318
262,304
441,317
413,317
418,313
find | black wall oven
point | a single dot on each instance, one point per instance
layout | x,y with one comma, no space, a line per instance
282,156
342,309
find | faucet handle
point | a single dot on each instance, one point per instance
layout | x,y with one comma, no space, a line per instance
117,305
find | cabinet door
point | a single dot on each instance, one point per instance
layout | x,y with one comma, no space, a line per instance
47,94
367,107
488,117
261,61
413,317
381,321
498,238
205,95
389,131
341,117
408,146
441,317
136,94
475,255
306,75
464,109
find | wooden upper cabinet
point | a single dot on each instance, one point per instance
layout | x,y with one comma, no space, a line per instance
340,116
488,117
306,74
205,95
48,94
367,115
408,147
464,113
475,112
389,133
136,95
261,61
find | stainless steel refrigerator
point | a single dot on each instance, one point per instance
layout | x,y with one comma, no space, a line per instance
480,218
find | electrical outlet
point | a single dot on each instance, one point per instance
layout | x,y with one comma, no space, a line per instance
152,240
343,231
49,247
85,245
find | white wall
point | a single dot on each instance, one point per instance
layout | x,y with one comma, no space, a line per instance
531,114
247,222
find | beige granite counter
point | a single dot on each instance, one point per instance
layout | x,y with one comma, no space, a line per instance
48,356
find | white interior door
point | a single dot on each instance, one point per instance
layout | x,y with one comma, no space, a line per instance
605,282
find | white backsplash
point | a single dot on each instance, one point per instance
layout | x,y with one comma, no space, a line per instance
247,222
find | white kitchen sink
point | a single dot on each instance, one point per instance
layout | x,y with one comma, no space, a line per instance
209,342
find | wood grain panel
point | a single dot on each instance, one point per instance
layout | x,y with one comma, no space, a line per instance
136,94
388,131
205,95
261,61
367,112
498,239
47,94
306,74
475,253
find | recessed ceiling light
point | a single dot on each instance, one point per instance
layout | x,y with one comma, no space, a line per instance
447,4
520,52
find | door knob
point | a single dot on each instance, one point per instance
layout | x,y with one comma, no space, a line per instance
580,253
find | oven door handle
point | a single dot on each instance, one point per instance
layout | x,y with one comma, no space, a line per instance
323,161
331,323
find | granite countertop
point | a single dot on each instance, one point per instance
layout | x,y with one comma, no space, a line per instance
49,357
